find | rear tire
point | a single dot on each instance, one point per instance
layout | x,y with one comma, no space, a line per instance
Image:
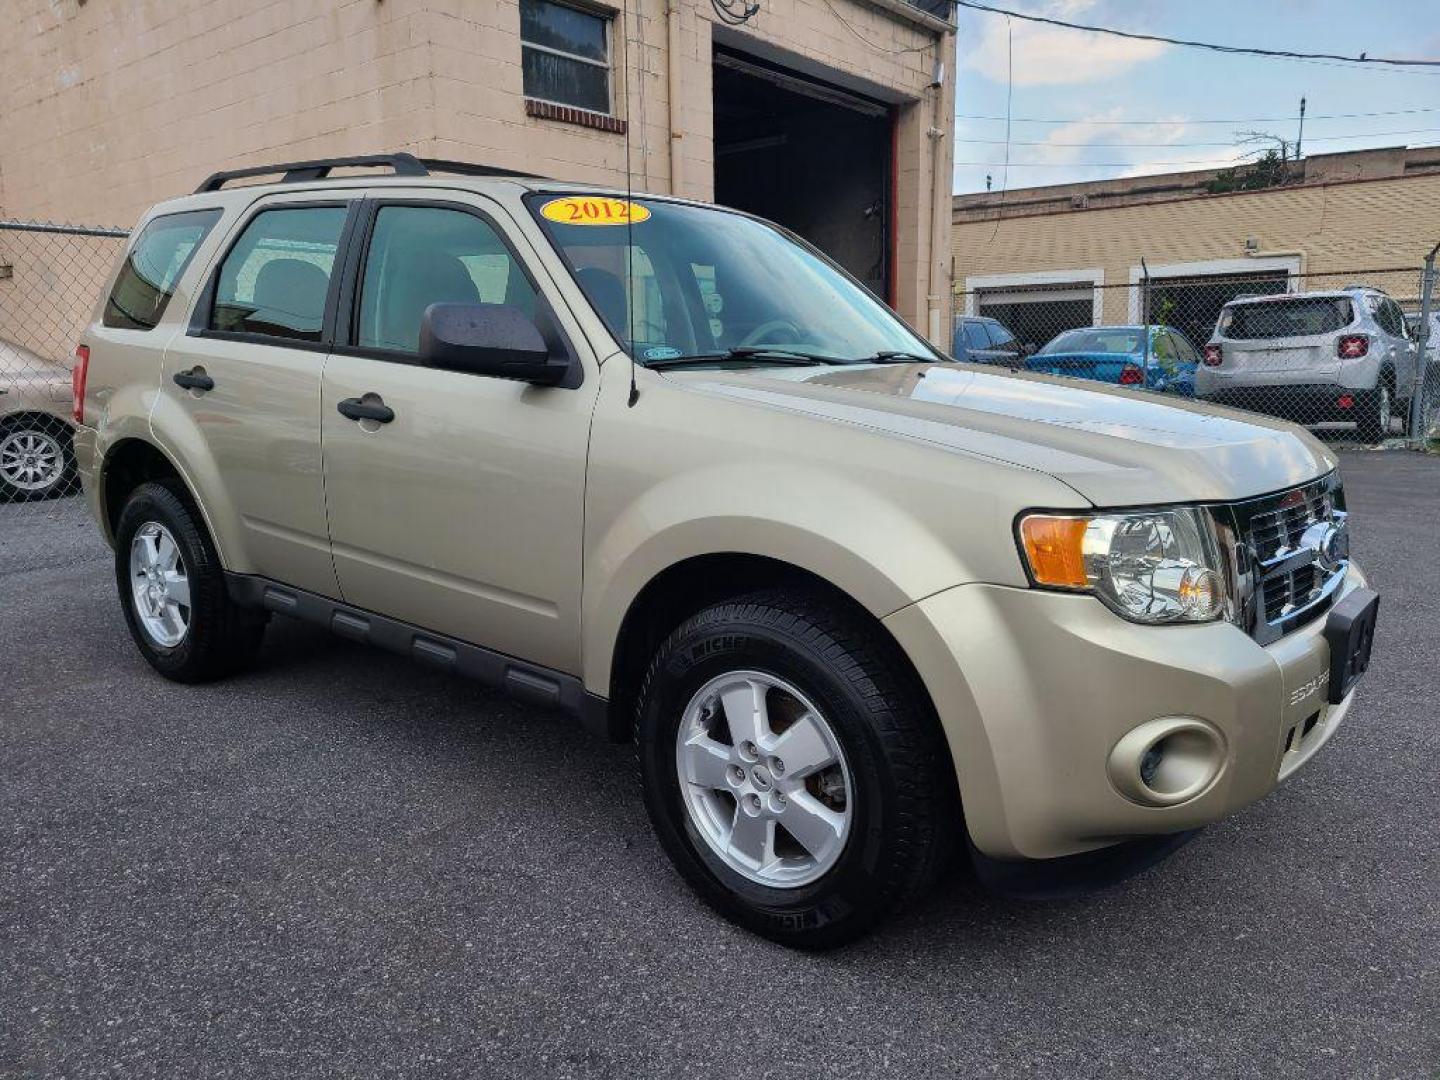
1377,409
833,689
172,589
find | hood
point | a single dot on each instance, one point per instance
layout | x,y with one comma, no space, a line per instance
1114,445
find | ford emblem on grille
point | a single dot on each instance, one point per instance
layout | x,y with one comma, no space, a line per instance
1330,541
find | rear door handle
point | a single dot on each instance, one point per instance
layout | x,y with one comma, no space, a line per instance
356,409
194,380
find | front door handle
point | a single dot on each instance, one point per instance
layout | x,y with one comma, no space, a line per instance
357,409
194,379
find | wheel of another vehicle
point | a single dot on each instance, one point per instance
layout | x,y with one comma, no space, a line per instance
1377,410
36,459
793,772
172,589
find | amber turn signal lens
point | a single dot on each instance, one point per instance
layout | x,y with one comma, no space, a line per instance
1053,546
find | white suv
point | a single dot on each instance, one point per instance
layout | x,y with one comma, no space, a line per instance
1313,357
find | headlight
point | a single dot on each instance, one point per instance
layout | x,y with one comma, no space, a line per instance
1157,566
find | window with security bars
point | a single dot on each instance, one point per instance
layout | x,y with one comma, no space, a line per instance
565,55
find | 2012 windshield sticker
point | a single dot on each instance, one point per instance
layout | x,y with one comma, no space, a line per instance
594,210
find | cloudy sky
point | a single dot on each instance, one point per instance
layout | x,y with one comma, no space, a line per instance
1114,107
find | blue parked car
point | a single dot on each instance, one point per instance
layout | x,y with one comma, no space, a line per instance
982,340
1117,354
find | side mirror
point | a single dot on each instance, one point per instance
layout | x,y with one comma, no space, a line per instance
1029,349
488,339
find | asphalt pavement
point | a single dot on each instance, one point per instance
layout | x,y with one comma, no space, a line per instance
344,865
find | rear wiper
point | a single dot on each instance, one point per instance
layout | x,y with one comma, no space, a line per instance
897,356
771,354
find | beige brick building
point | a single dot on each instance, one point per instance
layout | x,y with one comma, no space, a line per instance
831,116
1044,259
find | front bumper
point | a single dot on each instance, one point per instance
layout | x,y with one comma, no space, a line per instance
1035,690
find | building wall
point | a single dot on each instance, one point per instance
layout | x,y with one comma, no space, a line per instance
110,105
1315,229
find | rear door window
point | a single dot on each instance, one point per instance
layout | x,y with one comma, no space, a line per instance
160,255
1392,319
1183,349
975,336
1002,338
275,279
1298,317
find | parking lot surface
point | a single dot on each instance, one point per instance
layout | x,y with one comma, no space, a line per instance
344,865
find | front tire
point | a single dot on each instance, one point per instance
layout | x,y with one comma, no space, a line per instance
172,589
793,770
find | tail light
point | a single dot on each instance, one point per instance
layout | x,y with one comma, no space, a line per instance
1213,356
1130,375
1352,346
78,375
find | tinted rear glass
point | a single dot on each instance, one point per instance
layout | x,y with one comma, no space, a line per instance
155,263
1119,340
1300,317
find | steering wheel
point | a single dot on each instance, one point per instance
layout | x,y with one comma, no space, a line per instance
763,334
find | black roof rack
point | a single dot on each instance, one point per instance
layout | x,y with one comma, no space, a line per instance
469,168
401,164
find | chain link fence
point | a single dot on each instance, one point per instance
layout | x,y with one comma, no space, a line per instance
1354,354
50,278
1345,352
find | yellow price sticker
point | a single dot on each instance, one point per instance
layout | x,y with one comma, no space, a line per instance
593,210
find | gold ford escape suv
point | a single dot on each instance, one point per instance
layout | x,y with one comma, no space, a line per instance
667,467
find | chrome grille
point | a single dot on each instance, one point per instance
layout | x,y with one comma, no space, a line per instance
1283,578
1280,530
1285,592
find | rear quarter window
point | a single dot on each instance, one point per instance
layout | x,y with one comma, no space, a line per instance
1300,317
160,255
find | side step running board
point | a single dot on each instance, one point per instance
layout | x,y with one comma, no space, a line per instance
527,682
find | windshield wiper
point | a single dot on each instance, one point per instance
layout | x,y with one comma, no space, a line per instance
770,354
897,356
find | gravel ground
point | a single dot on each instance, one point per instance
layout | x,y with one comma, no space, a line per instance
345,865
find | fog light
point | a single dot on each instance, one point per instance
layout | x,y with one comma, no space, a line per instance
1150,765
1167,761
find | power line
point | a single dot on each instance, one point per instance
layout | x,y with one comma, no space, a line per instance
1166,145
1208,162
1178,120
1284,54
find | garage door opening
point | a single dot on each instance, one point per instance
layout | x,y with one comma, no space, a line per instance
1036,313
809,156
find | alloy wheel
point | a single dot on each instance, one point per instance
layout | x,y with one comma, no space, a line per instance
31,460
159,585
764,779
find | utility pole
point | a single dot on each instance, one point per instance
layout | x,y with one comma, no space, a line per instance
1300,138
1422,351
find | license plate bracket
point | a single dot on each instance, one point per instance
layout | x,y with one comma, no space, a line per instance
1350,632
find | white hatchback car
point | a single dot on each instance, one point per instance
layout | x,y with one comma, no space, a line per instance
36,461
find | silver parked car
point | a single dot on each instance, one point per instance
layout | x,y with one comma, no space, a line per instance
1316,357
36,460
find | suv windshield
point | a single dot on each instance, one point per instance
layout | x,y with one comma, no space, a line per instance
706,282
1299,317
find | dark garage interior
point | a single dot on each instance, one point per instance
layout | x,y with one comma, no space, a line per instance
810,156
